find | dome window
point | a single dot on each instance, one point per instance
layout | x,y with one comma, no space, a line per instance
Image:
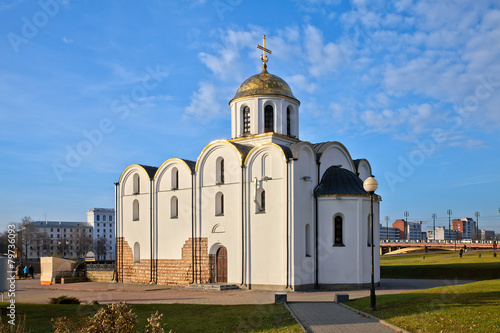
288,125
268,119
246,120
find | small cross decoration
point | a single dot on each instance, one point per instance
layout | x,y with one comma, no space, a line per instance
263,57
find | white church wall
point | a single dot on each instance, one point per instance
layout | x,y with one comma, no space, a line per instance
138,229
302,214
266,231
173,230
364,170
221,229
350,263
336,154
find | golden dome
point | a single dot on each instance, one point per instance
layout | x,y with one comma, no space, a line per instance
264,84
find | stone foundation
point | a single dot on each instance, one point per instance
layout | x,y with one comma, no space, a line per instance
165,271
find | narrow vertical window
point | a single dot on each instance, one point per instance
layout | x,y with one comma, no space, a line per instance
219,204
338,230
308,240
97,217
135,210
110,218
260,200
174,207
136,183
137,252
246,120
104,217
175,179
219,179
268,119
288,122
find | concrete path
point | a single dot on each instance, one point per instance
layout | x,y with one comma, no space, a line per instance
30,291
323,317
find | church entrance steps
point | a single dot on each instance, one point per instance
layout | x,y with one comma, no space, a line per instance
213,286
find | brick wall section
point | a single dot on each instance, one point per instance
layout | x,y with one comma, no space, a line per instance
168,271
100,276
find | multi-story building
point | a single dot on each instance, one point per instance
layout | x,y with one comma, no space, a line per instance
388,233
414,230
487,234
68,239
443,234
103,222
465,225
408,230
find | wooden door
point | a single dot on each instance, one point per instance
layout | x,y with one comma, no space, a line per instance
222,265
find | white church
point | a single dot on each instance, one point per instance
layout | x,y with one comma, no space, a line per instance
262,210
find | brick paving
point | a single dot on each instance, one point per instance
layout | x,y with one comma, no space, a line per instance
323,317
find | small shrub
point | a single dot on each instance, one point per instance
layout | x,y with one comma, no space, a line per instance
64,300
20,326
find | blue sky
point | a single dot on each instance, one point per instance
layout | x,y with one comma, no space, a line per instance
88,88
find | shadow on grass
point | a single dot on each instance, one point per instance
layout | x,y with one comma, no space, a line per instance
473,271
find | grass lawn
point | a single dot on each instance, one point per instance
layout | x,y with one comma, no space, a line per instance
178,317
473,307
441,266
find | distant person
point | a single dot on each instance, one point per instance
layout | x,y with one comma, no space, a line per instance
460,252
20,271
26,271
494,245
31,270
465,248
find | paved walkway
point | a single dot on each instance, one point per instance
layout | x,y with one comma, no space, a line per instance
323,317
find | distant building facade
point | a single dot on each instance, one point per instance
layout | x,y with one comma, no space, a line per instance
68,239
388,233
487,234
465,225
443,233
102,221
408,230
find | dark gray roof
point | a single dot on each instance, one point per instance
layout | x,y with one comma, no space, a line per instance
190,164
243,149
151,170
339,181
287,151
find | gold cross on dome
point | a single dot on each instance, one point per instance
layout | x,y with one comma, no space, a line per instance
263,57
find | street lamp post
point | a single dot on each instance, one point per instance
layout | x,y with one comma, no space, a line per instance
387,218
434,227
370,185
478,237
449,212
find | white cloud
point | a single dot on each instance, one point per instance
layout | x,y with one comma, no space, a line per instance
323,58
204,104
301,82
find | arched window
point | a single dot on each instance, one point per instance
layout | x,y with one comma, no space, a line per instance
98,217
219,171
246,120
137,252
288,121
174,207
104,217
175,179
338,237
135,210
308,240
110,218
260,201
219,204
136,181
267,166
268,119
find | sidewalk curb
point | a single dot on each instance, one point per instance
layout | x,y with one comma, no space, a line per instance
294,317
383,322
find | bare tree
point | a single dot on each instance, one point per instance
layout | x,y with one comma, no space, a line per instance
100,248
27,235
83,244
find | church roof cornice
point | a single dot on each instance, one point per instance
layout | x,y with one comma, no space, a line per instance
150,170
287,153
190,164
241,149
